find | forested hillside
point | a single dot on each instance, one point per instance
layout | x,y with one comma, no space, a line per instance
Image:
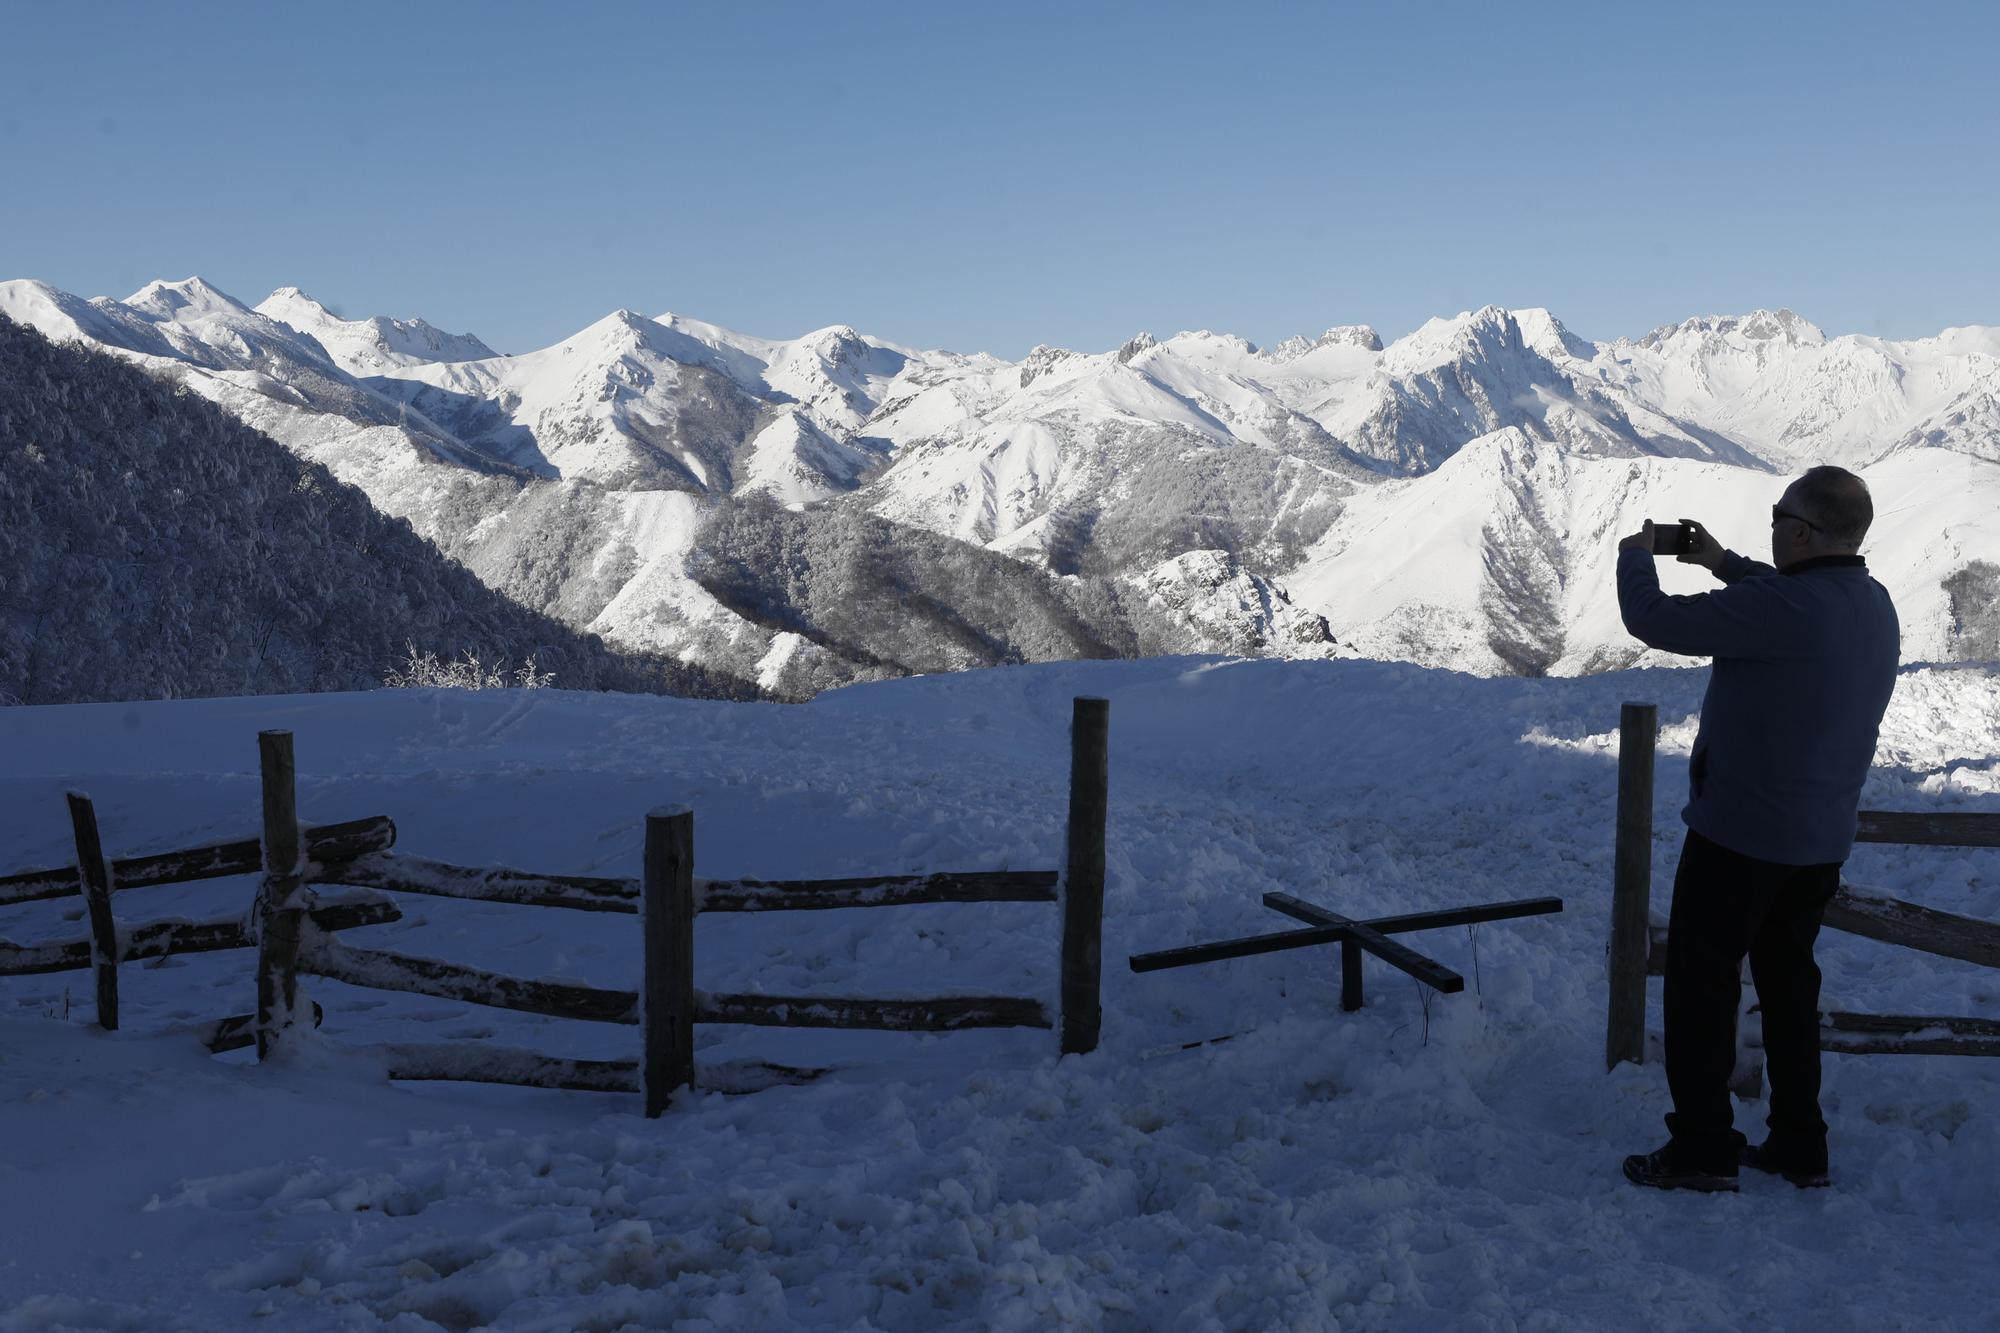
153,546
869,598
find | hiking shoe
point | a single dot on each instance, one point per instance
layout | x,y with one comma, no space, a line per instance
1805,1170
1670,1169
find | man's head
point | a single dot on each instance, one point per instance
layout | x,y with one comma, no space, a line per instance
1825,512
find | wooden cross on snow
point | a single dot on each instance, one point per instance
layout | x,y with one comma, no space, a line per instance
1354,938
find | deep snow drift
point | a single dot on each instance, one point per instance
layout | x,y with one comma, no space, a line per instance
1369,1170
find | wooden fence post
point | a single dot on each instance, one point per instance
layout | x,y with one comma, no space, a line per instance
1083,875
280,915
666,923
1350,976
1631,886
93,878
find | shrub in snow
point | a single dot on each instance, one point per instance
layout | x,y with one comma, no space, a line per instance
427,671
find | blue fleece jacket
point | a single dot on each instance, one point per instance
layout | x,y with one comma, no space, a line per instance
1804,665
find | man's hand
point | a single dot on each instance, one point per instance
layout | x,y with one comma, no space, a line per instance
1642,540
1707,552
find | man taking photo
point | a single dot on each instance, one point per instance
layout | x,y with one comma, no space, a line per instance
1805,652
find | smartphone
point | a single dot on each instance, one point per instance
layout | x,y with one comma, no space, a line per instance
1672,538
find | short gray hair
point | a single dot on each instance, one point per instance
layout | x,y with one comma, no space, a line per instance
1837,503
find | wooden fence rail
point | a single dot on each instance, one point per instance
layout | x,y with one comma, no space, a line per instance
324,956
1923,828
804,895
402,873
1639,949
327,842
950,1013
96,880
157,939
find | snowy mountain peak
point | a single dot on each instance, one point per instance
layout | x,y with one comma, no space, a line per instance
1351,335
370,346
1133,346
1546,334
1485,334
1481,334
294,300
615,334
1759,326
833,336
1362,336
190,297
1230,341
1040,361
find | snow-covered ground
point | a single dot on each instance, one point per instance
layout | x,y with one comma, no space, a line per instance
1376,1170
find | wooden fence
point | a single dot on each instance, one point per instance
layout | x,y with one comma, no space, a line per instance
95,879
667,897
1639,947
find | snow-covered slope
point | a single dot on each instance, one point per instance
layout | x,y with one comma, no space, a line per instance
1503,560
612,405
1775,383
274,377
1428,1162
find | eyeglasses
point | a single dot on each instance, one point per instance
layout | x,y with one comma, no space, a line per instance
1779,513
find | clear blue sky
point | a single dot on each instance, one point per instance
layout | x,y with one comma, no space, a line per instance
993,176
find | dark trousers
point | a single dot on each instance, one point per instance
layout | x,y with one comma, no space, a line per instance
1727,905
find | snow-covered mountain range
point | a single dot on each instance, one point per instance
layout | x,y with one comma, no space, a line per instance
1452,497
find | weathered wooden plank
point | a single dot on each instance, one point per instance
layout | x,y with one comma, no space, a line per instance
402,873
230,1034
1243,946
1279,941
1405,922
820,1011
353,838
1631,886
178,935
27,886
483,1063
1957,828
666,922
327,957
190,864
158,938
352,915
1401,956
1893,921
94,882
799,895
1083,875
1906,1034
238,1032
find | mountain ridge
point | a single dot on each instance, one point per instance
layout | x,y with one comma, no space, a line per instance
1194,471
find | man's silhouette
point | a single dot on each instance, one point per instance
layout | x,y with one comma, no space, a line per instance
1805,656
